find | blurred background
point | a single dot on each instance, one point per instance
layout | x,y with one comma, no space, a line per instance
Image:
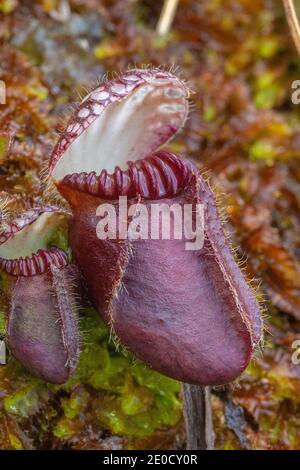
243,132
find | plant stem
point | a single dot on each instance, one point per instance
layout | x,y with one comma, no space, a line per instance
167,16
293,22
198,417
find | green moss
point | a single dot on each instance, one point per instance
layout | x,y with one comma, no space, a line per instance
4,282
15,442
161,42
209,113
262,150
126,397
267,90
267,98
2,323
7,6
3,146
75,404
136,400
26,401
63,429
106,49
58,236
38,92
269,46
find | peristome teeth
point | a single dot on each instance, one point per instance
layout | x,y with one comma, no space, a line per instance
160,175
102,181
92,183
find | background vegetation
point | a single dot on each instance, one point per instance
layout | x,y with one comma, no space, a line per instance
243,129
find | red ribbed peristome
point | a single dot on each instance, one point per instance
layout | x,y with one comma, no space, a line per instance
36,263
161,175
